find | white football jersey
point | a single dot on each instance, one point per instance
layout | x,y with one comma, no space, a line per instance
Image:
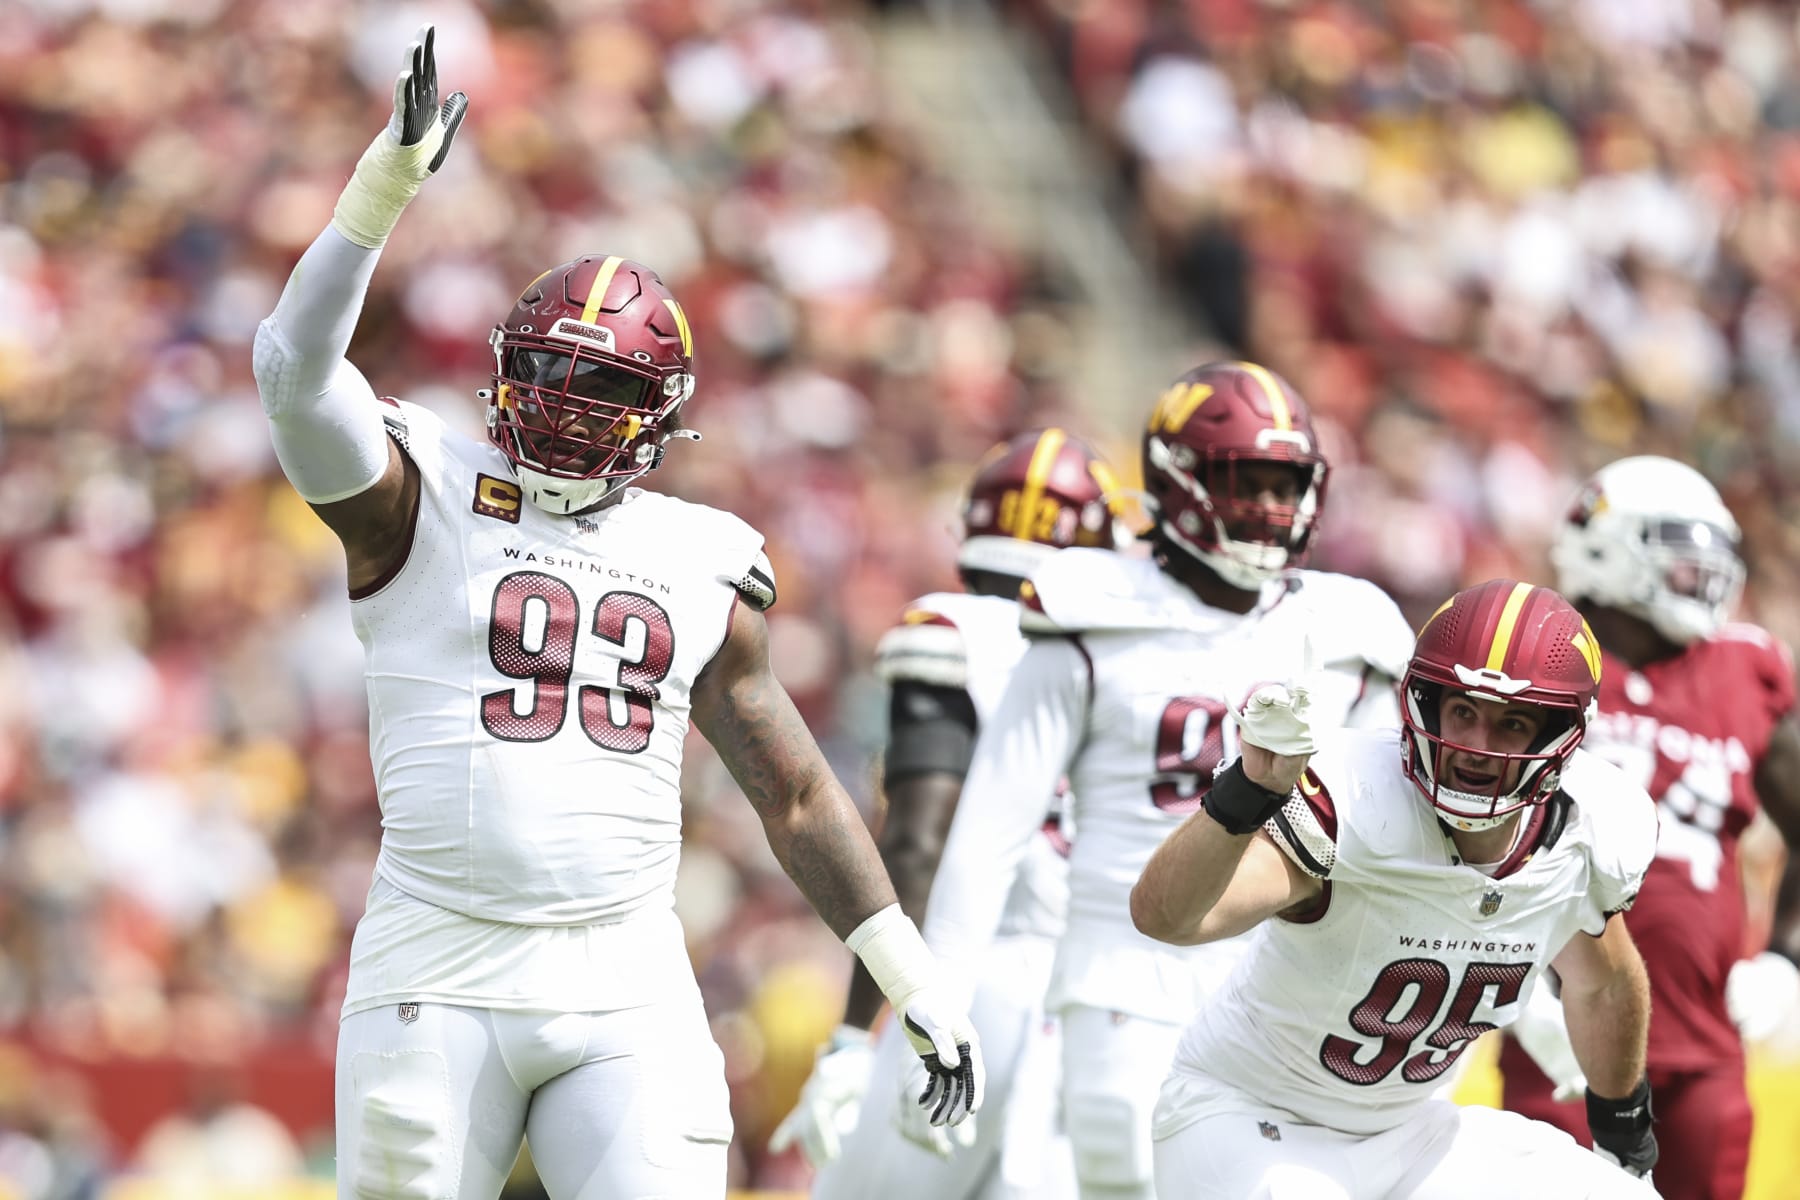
956,640
528,680
1127,689
1350,1015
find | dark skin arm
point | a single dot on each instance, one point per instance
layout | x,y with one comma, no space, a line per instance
1777,784
815,831
919,809
373,525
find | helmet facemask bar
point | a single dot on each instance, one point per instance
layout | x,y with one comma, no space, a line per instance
1538,766
568,411
1245,541
1692,577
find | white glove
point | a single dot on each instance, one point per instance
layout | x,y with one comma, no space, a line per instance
403,155
1542,1034
831,1099
913,1119
1278,717
1762,994
946,1043
935,1024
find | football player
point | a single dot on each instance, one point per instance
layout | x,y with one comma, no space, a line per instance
1701,714
947,664
1133,668
1404,905
539,634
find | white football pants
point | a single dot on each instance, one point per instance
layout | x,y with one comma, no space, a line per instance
1113,1068
433,1099
1018,1152
1443,1152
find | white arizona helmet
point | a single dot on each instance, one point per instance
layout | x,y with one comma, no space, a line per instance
1651,537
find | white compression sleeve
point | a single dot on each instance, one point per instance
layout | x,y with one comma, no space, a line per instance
1021,754
324,418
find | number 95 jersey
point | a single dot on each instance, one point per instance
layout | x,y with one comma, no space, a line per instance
528,680
1349,1015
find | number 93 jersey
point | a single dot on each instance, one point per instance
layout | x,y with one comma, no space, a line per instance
1349,1015
528,680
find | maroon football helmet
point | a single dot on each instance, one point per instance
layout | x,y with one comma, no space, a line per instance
1037,493
590,371
1508,643
1207,426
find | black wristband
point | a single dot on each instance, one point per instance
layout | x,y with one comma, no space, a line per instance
1239,803
1630,1115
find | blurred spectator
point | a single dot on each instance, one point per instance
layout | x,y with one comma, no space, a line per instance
1496,241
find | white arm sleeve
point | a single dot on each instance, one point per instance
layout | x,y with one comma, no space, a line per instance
1021,755
323,415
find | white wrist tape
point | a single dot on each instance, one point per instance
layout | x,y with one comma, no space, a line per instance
387,177
897,958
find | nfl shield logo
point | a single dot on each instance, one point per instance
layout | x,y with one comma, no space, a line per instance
409,1012
1268,1130
1490,902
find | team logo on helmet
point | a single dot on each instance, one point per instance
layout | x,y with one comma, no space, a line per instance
1208,449
591,369
1506,643
1036,493
1651,537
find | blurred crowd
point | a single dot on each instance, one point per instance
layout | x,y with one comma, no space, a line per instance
1495,242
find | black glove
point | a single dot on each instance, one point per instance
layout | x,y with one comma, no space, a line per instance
416,99
1621,1129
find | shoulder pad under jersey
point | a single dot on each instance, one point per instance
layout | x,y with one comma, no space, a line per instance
712,540
928,646
1770,663
1357,622
393,417
1080,590
758,583
1621,826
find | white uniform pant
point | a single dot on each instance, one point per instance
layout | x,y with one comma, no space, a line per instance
1018,1153
1113,1068
433,1099
1444,1152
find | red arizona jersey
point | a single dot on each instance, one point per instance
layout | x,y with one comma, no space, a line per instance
1692,730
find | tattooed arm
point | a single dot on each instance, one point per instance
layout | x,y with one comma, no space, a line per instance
815,831
822,844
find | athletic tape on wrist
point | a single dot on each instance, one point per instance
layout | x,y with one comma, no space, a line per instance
897,958
387,177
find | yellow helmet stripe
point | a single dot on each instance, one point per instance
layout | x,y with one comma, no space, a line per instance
1589,646
1509,625
1037,474
597,294
1177,405
1436,613
687,336
1278,405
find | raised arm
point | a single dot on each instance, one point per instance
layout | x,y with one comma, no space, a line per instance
1218,874
324,419
821,842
